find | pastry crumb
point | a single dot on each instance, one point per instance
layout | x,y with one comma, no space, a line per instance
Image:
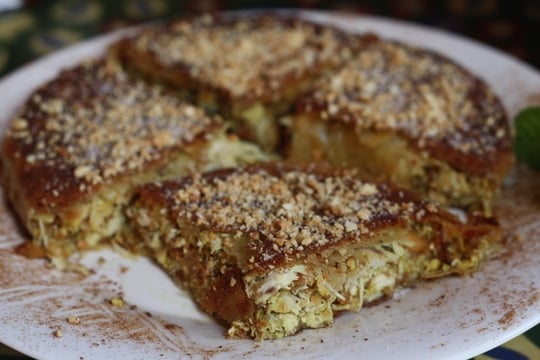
117,302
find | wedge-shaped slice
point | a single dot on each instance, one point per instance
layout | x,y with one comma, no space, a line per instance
274,249
250,67
414,116
85,138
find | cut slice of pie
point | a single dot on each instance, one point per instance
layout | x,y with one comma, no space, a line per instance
412,115
74,151
249,67
272,249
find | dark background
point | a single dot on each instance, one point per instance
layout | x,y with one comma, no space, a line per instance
43,26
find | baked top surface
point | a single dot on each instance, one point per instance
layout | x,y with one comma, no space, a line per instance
244,57
435,103
91,124
287,210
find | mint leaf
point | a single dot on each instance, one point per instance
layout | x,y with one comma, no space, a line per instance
527,140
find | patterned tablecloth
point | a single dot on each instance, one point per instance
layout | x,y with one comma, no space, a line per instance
29,29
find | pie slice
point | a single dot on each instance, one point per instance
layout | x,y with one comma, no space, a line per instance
74,151
271,249
249,67
412,115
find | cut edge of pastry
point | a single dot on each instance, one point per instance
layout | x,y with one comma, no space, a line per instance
389,155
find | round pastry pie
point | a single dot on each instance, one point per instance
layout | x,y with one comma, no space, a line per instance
152,148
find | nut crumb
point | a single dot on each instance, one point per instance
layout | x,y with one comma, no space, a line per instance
74,320
364,214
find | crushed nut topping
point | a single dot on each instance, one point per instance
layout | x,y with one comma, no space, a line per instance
389,86
244,57
97,122
292,209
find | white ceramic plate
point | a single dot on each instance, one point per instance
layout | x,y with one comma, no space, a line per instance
454,318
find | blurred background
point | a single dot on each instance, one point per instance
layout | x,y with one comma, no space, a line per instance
32,28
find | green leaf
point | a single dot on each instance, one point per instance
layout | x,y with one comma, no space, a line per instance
527,140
